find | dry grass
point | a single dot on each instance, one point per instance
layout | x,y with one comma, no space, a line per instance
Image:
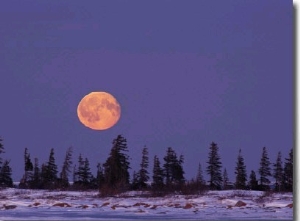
267,196
240,193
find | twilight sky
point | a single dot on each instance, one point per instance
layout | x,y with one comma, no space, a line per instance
185,73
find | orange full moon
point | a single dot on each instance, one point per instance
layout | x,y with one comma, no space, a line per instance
99,110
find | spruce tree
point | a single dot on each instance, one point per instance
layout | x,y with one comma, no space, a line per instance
158,176
86,175
44,176
117,165
135,182
214,167
278,173
36,181
75,174
199,179
84,178
288,172
51,170
28,168
5,175
178,173
173,170
240,171
170,160
100,175
225,179
264,170
27,160
143,175
1,151
66,168
5,170
80,171
253,183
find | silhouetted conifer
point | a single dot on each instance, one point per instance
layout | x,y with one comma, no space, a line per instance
199,179
100,175
52,167
5,175
66,168
44,175
278,173
173,170
214,167
74,174
5,170
225,179
36,180
142,176
28,174
49,172
288,172
178,173
253,183
240,171
135,182
1,151
264,170
117,165
170,160
79,172
158,176
87,175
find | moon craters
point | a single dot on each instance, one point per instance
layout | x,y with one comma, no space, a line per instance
98,110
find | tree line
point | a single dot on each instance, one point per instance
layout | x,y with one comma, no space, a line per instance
112,177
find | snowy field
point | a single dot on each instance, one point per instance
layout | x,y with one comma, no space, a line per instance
18,204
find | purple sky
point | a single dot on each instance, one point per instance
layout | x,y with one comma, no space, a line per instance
185,73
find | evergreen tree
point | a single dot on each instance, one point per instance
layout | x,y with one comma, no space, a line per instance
80,171
264,170
173,170
28,167
214,167
52,167
5,170
66,169
135,182
253,183
100,175
28,163
143,175
288,172
86,175
5,175
178,172
117,165
225,179
158,176
199,179
36,181
170,160
44,175
278,173
1,151
240,171
84,178
49,172
75,174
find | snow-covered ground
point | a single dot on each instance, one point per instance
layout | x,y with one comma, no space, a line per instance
17,204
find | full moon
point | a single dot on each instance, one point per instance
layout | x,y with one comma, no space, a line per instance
99,110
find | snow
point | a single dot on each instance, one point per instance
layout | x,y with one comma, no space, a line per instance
15,204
